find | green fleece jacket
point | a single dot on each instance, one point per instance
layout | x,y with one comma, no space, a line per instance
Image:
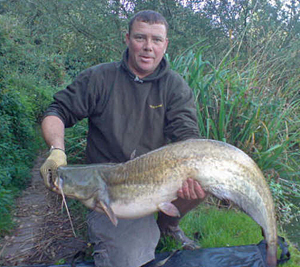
127,116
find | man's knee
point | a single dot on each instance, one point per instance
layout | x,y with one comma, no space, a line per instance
101,258
131,243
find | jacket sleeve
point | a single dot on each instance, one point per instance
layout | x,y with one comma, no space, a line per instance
181,114
75,102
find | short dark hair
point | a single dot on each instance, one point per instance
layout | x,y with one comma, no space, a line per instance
148,16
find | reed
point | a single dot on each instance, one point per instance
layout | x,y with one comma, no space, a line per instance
239,105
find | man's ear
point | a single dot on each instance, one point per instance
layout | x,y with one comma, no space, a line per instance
167,42
127,38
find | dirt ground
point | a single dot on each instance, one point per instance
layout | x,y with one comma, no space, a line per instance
43,234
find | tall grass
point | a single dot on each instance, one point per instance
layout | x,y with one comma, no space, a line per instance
75,139
236,106
239,104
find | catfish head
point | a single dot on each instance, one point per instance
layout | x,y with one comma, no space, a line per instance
86,185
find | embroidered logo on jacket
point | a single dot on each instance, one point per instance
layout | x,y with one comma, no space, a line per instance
157,106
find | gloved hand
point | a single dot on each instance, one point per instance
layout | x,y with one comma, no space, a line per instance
48,170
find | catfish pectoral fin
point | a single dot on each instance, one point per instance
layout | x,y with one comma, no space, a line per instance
169,209
109,212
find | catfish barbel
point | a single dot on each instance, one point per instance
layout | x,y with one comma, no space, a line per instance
149,183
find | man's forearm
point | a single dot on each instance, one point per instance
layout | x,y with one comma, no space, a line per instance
53,130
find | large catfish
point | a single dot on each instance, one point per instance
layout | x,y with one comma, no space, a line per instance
150,182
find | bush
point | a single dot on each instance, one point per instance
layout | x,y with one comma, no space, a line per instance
26,89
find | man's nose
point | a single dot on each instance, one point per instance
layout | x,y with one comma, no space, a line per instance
148,45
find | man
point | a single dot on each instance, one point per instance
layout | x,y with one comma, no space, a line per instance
133,106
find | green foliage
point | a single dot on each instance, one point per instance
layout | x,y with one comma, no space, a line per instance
15,134
286,195
75,139
25,92
236,106
6,199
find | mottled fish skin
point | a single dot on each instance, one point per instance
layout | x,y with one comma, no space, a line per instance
136,188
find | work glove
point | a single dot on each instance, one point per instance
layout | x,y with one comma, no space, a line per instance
48,170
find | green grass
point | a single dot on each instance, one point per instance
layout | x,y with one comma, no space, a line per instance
231,230
214,227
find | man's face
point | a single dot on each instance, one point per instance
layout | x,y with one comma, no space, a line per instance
147,44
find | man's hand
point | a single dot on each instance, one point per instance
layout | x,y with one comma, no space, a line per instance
191,190
49,168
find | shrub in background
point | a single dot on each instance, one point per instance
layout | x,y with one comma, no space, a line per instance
28,79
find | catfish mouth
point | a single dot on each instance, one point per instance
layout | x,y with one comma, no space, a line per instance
58,183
